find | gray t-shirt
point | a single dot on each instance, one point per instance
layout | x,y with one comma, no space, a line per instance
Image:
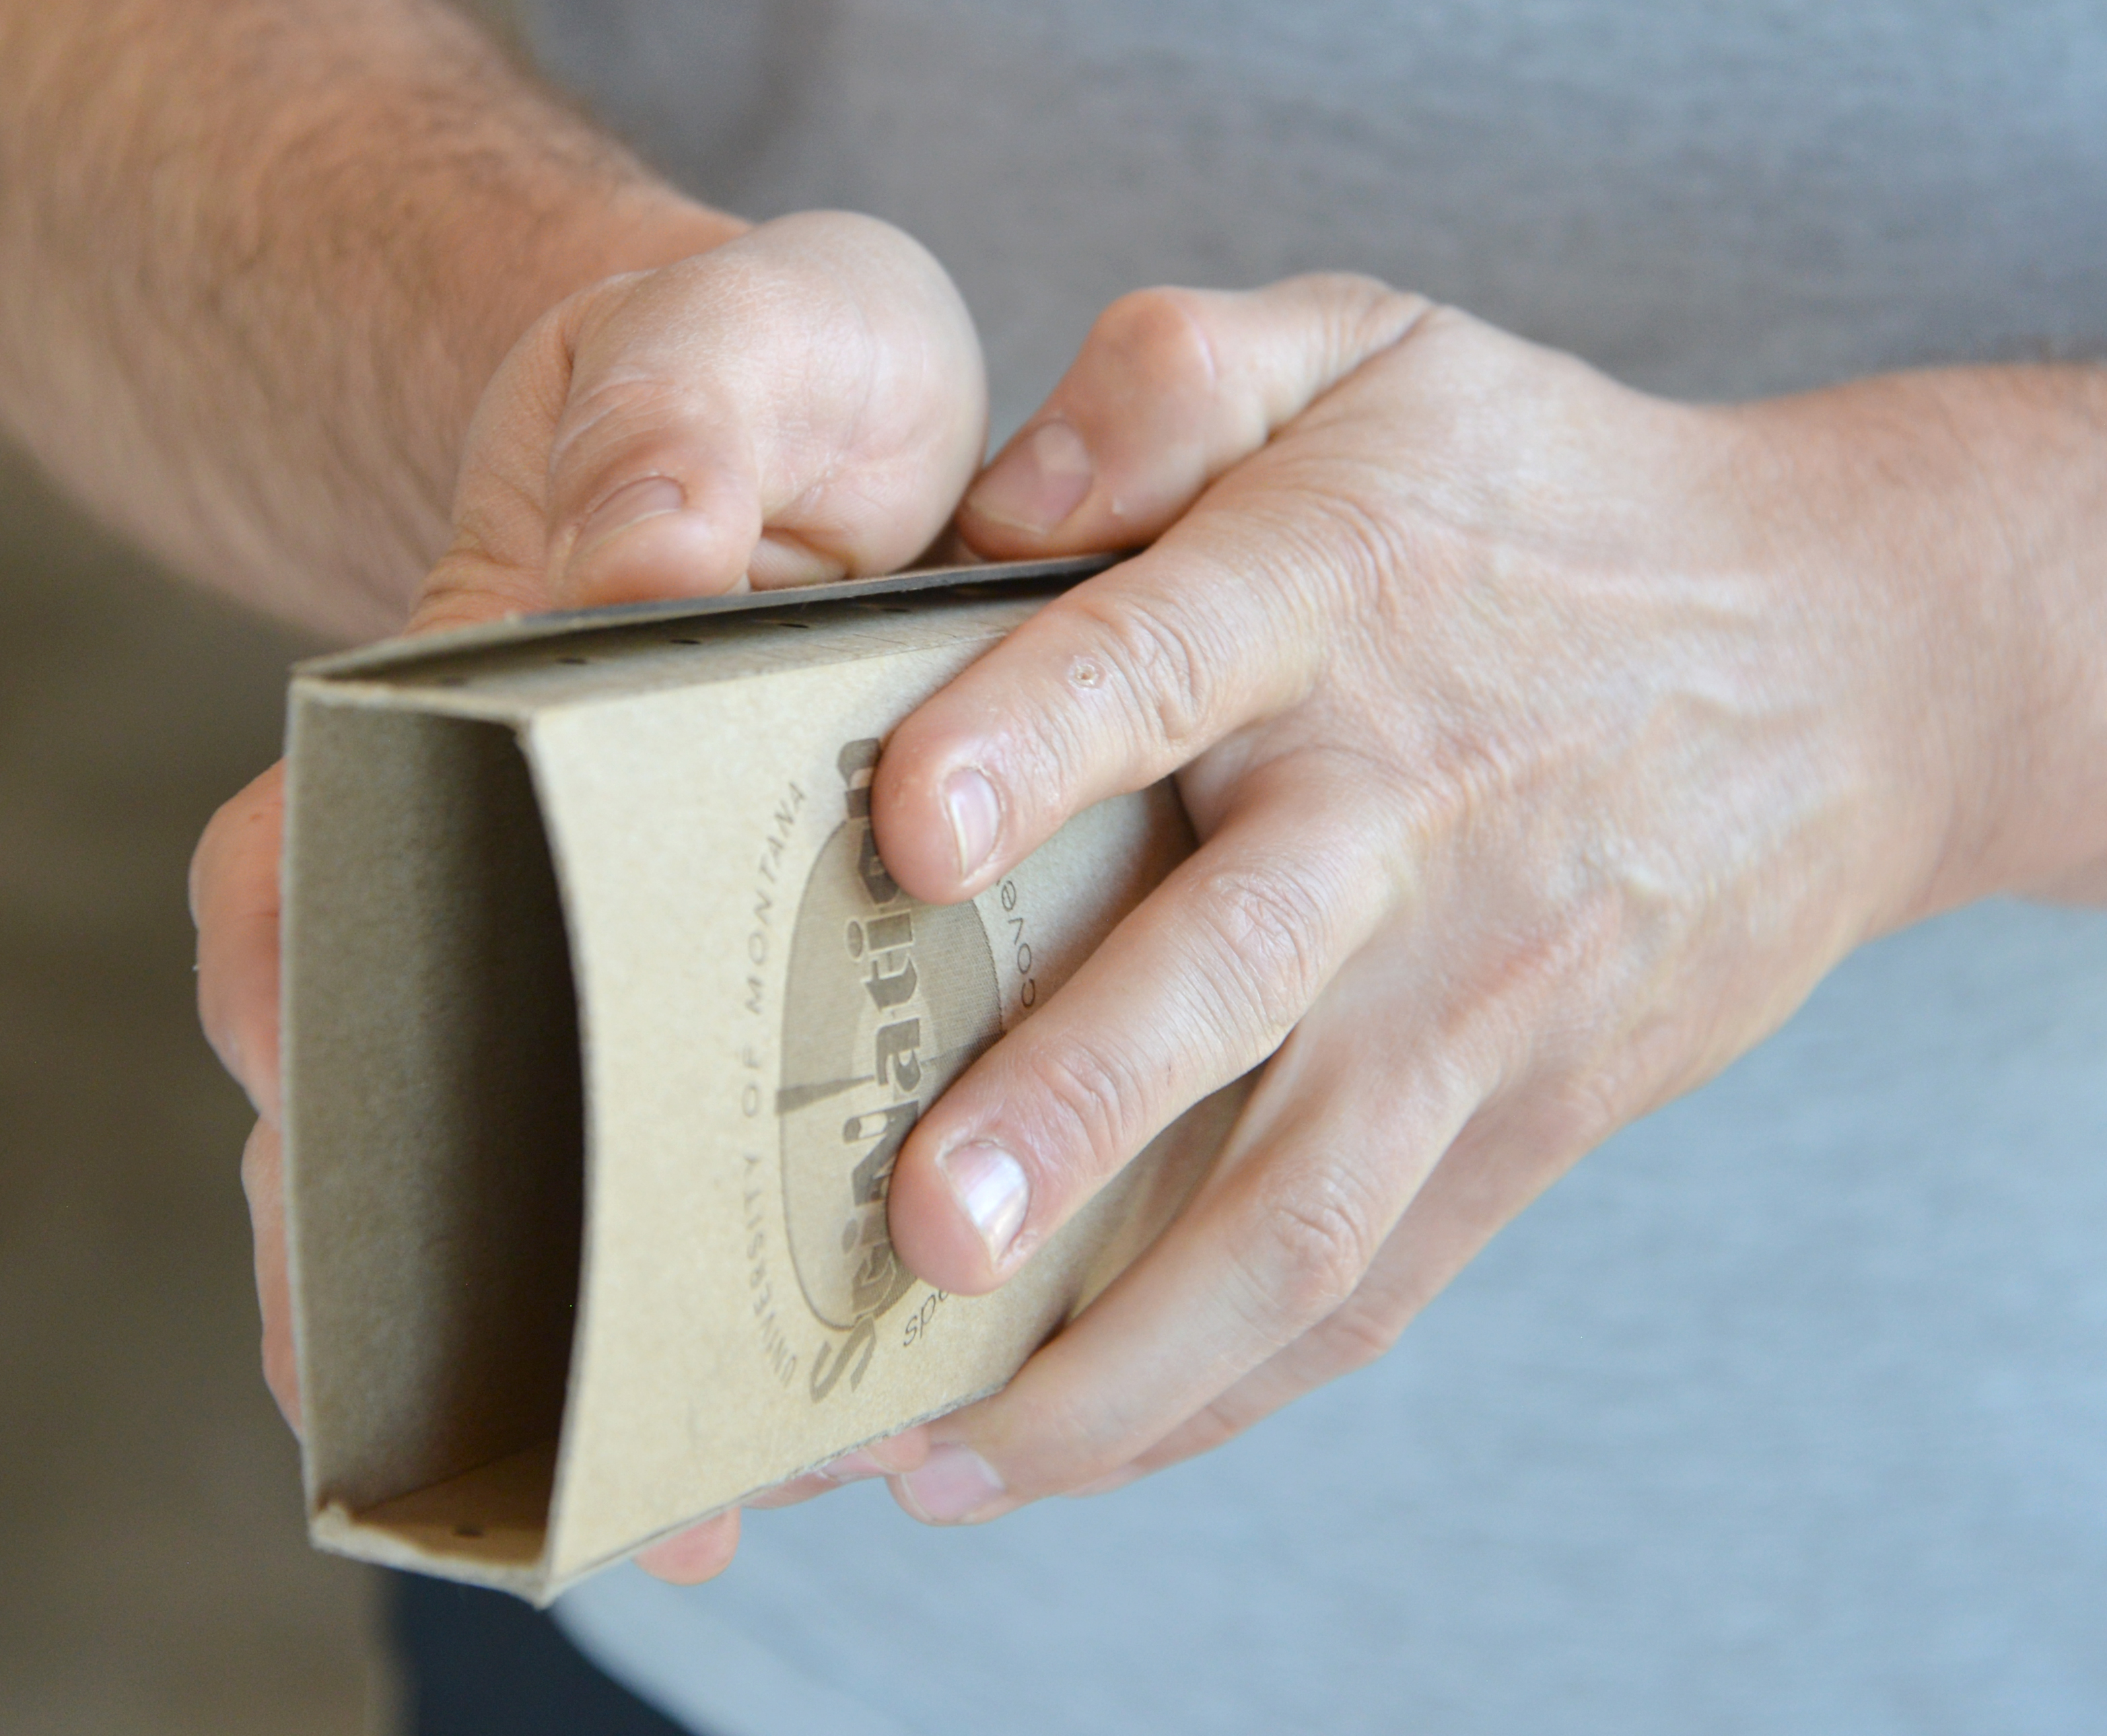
1785,1411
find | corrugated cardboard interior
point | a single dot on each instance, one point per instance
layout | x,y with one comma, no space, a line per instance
436,1314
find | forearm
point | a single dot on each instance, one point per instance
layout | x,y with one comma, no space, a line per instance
1974,501
262,258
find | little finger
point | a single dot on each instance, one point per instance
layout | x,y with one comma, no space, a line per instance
690,1557
1506,1156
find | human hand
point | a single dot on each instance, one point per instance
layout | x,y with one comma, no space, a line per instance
1547,742
803,403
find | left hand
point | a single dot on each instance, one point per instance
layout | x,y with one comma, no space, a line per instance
1547,742
800,403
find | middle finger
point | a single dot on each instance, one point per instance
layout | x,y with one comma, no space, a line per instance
1197,985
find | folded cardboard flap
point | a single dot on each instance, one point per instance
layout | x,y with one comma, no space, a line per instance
439,980
604,1025
491,1523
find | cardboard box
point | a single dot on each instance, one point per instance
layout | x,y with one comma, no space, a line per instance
603,1025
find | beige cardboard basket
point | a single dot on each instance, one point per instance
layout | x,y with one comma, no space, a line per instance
603,1024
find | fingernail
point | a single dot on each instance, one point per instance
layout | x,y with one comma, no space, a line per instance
976,815
1037,482
989,1186
649,498
954,1483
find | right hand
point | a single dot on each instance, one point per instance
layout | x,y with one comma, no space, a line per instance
804,403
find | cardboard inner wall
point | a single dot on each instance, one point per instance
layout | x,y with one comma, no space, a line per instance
436,1315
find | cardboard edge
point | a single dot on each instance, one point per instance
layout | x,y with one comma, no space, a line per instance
558,1584
350,691
297,702
389,655
525,737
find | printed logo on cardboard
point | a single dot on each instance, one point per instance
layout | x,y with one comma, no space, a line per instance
888,1001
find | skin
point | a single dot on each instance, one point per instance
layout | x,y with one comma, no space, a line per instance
262,259
1549,742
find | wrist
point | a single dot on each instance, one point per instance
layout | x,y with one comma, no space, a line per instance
1957,517
2036,443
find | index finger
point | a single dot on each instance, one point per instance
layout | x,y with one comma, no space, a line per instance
1109,688
1129,677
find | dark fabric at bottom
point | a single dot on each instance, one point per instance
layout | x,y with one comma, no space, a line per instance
479,1663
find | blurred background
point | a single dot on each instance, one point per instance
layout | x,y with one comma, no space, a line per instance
155,1577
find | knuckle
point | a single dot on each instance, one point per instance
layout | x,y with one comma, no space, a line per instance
1357,1333
607,415
263,1167
1363,315
240,824
1267,930
1349,540
621,428
1363,543
203,866
1077,1435
1583,1111
1362,293
1162,665
1220,1421
1099,1104
1156,340
1313,1245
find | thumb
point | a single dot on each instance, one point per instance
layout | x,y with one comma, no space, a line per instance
804,403
1171,389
